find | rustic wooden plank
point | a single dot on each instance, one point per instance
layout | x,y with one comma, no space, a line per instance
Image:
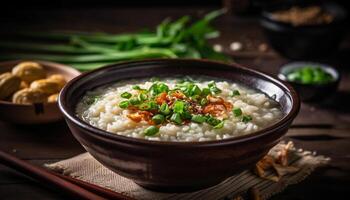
29,191
40,142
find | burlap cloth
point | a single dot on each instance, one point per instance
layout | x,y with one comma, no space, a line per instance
86,168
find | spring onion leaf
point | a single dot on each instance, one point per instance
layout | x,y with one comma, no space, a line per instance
237,112
164,109
246,118
158,119
126,95
176,117
198,118
124,104
151,131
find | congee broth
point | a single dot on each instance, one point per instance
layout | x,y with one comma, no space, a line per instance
194,108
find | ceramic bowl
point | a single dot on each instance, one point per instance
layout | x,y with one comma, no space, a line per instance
304,42
311,92
34,113
177,166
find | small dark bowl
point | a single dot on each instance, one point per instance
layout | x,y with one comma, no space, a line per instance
311,92
177,166
305,42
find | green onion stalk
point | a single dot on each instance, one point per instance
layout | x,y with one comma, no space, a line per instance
87,51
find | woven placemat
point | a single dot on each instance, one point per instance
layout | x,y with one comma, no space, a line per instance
86,168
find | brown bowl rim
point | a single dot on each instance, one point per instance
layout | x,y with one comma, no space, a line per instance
43,62
115,137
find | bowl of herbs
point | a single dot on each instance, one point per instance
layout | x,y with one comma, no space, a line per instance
313,81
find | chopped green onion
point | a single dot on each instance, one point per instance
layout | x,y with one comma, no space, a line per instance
195,90
158,88
176,117
134,101
219,125
162,88
186,115
246,118
124,104
213,89
126,95
213,121
310,75
164,109
151,105
158,119
237,112
198,118
204,102
143,97
179,106
234,93
151,131
136,87
205,91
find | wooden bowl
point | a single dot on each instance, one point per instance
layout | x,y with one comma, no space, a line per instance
35,113
177,166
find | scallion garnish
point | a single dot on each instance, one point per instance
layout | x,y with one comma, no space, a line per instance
158,119
179,107
213,121
198,118
151,131
176,117
186,115
158,88
126,95
164,109
219,125
205,91
186,102
204,102
237,112
134,101
142,96
195,90
151,105
136,87
213,89
124,104
234,93
246,118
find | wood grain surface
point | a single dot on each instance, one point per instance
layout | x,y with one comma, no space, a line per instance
324,128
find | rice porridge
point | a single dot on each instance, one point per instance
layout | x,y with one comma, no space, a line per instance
190,109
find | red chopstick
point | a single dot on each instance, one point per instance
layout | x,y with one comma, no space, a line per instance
74,187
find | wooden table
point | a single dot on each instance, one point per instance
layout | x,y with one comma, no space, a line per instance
323,128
